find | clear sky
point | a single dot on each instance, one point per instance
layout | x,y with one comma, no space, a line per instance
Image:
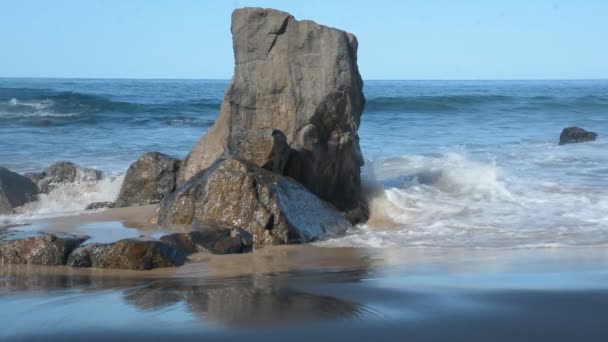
424,39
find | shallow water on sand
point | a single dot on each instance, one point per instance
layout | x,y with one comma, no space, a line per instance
309,292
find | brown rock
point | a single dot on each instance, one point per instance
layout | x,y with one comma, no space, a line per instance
301,79
234,193
127,254
148,180
15,190
48,250
211,240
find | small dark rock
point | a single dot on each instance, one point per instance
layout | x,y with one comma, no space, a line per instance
99,205
211,240
148,180
61,173
48,250
575,135
127,254
15,190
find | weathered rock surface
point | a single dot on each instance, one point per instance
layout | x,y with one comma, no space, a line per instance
301,79
61,173
148,180
99,205
50,250
15,190
127,254
575,135
234,193
211,240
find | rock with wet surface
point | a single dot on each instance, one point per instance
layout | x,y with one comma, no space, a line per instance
61,173
99,205
572,135
47,249
299,78
130,254
235,193
214,240
148,180
15,190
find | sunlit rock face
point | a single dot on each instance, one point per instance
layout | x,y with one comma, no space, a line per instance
301,79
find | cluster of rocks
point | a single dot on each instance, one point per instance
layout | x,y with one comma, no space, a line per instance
133,254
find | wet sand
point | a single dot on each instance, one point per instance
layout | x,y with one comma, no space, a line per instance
311,292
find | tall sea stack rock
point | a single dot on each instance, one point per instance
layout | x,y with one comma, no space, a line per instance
299,80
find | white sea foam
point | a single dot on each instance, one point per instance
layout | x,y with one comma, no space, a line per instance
450,200
68,198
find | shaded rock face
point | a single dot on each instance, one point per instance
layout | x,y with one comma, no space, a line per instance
15,190
575,135
211,240
127,254
61,173
148,180
235,193
301,79
99,205
50,250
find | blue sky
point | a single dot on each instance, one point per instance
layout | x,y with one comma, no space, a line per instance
433,39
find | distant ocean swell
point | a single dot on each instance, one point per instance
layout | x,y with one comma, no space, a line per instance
40,107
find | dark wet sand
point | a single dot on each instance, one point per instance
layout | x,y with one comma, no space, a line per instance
299,293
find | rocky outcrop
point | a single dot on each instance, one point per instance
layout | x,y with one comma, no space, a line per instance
127,254
575,135
99,205
15,190
61,173
148,180
50,250
297,79
211,240
235,193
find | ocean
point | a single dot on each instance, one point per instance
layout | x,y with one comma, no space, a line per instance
454,163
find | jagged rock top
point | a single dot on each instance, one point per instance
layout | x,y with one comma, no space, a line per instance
300,78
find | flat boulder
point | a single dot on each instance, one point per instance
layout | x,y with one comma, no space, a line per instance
301,79
45,249
61,173
148,180
572,135
130,254
236,193
15,190
213,240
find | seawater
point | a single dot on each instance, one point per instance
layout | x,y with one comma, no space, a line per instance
449,163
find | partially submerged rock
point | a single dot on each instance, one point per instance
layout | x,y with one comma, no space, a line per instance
61,173
571,135
99,205
212,240
148,180
235,193
50,250
128,254
15,190
301,79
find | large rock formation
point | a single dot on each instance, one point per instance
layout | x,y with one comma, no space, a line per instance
148,180
575,135
15,190
234,193
61,173
50,250
127,254
301,79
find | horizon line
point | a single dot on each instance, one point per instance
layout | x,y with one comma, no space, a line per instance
364,79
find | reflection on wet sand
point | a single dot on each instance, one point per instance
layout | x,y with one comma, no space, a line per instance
248,299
